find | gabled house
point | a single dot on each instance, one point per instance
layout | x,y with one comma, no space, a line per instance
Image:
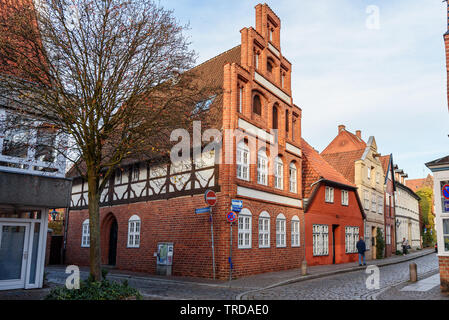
359,163
334,215
389,206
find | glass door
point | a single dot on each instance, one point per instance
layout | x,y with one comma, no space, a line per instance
13,254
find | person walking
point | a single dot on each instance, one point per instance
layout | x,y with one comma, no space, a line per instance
404,246
361,248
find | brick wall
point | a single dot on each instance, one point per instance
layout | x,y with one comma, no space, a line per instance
444,273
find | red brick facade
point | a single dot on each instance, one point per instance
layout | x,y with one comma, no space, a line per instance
174,220
444,273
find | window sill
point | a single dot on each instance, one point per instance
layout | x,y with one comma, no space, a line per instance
132,247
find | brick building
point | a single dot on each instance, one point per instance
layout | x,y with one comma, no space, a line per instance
145,205
389,205
334,216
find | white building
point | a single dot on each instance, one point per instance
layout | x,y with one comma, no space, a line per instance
407,213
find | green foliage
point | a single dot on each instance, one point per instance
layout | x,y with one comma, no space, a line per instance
399,253
380,244
57,227
96,290
425,204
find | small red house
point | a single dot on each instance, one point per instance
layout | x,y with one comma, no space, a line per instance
334,216
389,206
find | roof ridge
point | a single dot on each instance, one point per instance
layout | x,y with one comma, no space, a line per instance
219,55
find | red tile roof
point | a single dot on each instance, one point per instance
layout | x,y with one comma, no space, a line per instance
385,160
315,168
345,141
416,184
344,162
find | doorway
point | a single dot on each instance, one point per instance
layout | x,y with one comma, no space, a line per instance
334,231
13,253
373,242
112,258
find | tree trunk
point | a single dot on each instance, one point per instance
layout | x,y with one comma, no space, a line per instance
94,225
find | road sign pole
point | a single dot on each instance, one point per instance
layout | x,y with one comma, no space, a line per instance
212,236
230,257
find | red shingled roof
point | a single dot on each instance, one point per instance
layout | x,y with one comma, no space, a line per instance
345,141
385,160
344,162
315,168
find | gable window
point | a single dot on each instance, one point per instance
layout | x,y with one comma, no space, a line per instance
294,121
257,105
279,173
320,240
264,230
295,232
85,235
344,197
262,168
280,231
244,232
329,195
242,161
351,238
275,117
134,232
293,184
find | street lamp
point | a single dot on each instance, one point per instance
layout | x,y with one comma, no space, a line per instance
53,214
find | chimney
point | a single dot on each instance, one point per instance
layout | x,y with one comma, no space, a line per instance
358,133
341,127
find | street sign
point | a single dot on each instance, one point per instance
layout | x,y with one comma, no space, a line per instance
202,210
231,216
210,197
445,205
446,191
236,205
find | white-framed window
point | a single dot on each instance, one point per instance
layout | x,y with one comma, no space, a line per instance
446,234
135,173
134,232
256,60
368,175
244,226
344,197
320,240
388,234
367,237
264,230
295,232
366,200
293,178
329,195
85,234
271,34
380,205
279,173
240,99
242,156
280,231
262,168
373,202
351,238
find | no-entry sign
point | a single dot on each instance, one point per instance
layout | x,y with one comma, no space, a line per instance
210,197
445,191
231,216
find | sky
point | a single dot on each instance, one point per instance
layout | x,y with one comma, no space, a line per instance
372,65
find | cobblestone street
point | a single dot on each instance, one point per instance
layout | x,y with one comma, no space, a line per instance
347,286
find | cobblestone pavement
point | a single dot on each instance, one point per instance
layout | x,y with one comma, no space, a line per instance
347,286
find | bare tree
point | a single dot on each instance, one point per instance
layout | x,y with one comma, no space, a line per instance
109,75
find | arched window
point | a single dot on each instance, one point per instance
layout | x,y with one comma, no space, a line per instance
269,67
278,173
264,230
242,160
275,117
280,231
293,178
244,231
295,231
257,105
85,235
262,167
134,232
287,119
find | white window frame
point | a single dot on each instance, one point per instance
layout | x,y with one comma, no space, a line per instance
368,175
240,99
257,60
345,197
351,238
445,234
243,161
380,205
320,234
329,195
293,178
281,231
244,229
134,227
373,202
388,234
264,230
366,204
262,168
85,234
278,173
295,231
